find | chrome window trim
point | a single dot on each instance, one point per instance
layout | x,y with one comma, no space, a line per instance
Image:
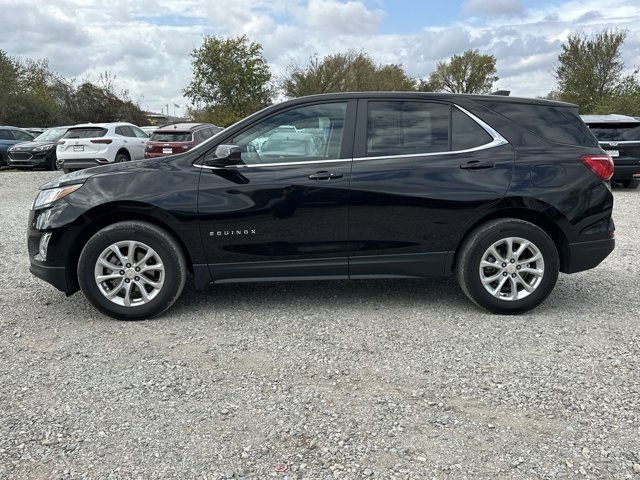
497,141
617,142
277,164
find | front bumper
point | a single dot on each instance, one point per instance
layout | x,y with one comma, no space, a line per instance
56,276
36,161
587,255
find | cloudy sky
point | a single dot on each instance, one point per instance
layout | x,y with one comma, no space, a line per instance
146,43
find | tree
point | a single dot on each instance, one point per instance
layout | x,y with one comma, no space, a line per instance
471,72
230,77
345,72
589,69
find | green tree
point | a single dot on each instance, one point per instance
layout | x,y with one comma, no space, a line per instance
344,72
230,77
471,72
589,69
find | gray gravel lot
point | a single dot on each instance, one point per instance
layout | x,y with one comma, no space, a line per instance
364,379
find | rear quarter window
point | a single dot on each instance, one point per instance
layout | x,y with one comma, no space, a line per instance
466,133
90,132
553,123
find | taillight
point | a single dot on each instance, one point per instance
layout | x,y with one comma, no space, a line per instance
102,140
601,165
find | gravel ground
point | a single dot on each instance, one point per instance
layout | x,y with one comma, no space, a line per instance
364,379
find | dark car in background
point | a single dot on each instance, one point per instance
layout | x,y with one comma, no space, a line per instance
38,153
502,193
619,136
10,136
35,131
178,138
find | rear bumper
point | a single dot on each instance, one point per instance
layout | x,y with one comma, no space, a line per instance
626,172
587,255
82,163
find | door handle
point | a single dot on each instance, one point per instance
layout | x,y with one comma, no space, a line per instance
325,175
476,165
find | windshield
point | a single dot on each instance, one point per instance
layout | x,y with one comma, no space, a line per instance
171,136
51,135
619,132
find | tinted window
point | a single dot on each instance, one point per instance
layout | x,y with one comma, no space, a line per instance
5,135
52,135
20,135
616,132
315,133
138,133
404,128
85,132
557,124
170,136
466,133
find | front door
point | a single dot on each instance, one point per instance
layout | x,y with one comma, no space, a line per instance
283,212
422,170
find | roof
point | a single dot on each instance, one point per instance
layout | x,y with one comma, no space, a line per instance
612,118
100,125
185,127
9,127
433,96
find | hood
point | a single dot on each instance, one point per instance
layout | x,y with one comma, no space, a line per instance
81,176
27,146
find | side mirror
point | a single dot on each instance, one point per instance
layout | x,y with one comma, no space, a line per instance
224,155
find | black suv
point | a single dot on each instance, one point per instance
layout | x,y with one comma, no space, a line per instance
502,192
619,136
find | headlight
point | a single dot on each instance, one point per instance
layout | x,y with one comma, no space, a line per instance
44,147
47,197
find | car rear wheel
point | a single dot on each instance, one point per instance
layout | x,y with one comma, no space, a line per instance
630,183
56,164
508,266
122,157
132,270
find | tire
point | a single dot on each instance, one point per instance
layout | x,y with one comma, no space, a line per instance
122,157
630,183
56,164
495,233
167,268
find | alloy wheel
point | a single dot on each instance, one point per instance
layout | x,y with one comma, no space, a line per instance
129,273
512,268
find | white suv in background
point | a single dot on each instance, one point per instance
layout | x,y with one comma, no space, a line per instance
92,144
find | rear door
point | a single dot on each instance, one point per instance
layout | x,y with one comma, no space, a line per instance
421,171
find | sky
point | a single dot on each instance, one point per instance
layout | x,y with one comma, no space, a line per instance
146,44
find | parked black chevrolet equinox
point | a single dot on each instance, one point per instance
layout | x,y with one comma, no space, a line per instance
502,192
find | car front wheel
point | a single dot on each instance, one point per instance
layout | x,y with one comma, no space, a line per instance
132,270
508,266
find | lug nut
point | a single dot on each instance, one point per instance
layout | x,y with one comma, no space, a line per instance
137,278
504,265
127,280
137,269
128,265
512,261
518,267
513,275
504,274
121,272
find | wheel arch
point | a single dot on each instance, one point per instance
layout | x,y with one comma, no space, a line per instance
537,216
123,150
110,213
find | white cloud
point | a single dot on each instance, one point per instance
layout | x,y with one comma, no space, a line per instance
493,8
147,43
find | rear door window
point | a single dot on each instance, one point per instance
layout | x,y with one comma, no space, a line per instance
20,135
466,133
138,132
407,127
618,132
5,135
85,132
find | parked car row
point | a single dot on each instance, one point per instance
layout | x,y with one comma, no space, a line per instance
87,145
